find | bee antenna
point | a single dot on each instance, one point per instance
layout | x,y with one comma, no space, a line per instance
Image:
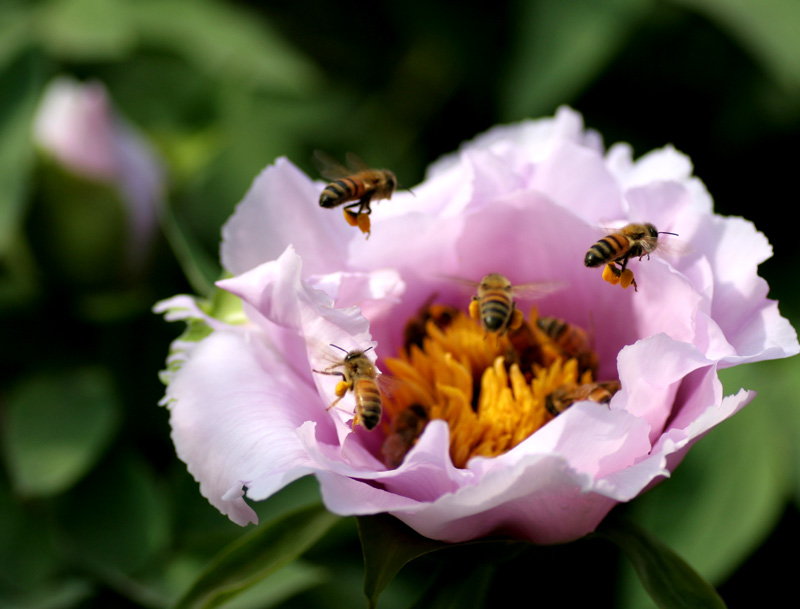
368,348
338,347
663,232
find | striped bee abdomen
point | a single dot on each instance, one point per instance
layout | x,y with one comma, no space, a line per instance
368,402
608,249
341,191
496,309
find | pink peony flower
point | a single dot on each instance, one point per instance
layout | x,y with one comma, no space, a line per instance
249,414
76,124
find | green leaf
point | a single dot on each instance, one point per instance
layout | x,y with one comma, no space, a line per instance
257,555
116,520
16,17
28,557
225,40
561,48
389,545
56,427
200,270
458,586
20,279
767,28
669,581
775,414
286,582
24,82
81,225
86,30
64,594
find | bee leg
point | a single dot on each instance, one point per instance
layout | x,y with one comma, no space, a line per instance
336,401
624,261
329,370
359,217
363,204
341,387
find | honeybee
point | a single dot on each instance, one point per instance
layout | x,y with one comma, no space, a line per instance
572,340
494,303
562,398
359,183
617,248
406,429
360,377
416,328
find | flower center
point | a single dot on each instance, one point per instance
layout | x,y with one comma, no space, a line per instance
493,391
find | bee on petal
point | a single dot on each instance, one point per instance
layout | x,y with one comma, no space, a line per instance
406,429
359,376
564,397
572,341
416,328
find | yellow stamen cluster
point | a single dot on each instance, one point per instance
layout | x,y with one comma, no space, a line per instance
490,389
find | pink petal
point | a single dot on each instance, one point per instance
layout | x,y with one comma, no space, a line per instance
234,408
283,201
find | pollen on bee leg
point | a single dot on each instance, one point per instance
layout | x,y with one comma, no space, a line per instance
363,223
611,274
626,279
351,217
475,309
341,388
517,319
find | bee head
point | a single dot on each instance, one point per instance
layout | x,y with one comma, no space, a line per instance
391,181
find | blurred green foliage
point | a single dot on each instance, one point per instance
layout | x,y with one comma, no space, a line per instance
96,510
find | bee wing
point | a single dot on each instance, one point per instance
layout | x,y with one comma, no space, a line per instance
388,384
460,280
355,163
328,167
538,289
323,357
669,245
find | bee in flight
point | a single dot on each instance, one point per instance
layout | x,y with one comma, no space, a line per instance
357,186
617,248
572,341
564,397
494,303
359,376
